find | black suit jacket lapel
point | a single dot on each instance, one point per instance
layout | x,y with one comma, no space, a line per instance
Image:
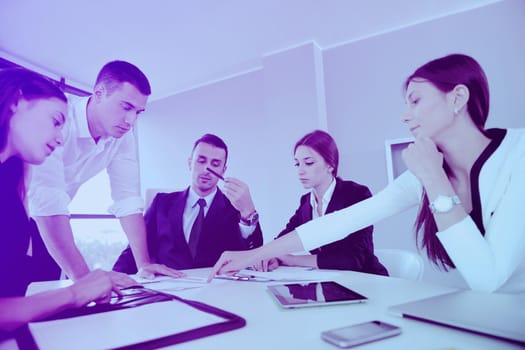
333,205
306,209
306,215
175,214
337,198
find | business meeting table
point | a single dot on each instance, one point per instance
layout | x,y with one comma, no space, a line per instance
269,326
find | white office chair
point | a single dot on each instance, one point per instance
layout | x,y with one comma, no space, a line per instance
401,263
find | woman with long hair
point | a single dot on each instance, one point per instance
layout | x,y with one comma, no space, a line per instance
32,113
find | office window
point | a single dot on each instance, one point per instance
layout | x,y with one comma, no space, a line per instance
98,235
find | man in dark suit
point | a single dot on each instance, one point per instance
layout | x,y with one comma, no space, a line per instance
191,228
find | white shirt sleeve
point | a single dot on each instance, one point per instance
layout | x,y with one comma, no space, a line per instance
487,262
246,230
47,193
124,177
403,193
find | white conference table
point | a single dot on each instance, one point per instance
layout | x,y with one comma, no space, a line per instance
271,327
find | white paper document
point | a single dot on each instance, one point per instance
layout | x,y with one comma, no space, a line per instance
120,328
169,284
286,273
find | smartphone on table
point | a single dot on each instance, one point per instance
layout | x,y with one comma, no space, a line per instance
346,337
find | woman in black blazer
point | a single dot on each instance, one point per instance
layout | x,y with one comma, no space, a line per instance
316,160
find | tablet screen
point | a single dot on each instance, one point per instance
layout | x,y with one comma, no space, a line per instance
313,294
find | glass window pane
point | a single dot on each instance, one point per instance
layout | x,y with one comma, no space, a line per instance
93,197
99,240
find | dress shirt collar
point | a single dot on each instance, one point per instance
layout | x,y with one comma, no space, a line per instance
326,198
193,197
80,115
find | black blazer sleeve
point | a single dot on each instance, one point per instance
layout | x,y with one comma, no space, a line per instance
355,251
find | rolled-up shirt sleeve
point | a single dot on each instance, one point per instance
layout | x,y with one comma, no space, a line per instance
124,177
47,190
403,193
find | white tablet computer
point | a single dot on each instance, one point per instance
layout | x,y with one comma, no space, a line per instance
314,294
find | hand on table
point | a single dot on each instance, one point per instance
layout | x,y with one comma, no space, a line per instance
98,286
231,262
266,265
149,271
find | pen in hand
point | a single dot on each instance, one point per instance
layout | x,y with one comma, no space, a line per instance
215,173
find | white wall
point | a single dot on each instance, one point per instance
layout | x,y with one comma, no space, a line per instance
259,114
353,89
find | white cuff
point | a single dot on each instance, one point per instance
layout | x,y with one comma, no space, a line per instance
128,206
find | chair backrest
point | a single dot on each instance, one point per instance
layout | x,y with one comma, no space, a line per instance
401,263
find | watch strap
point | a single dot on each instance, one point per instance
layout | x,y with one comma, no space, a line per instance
251,219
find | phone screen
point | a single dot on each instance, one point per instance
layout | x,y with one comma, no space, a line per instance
364,330
360,333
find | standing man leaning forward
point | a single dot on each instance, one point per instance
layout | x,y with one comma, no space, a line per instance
96,136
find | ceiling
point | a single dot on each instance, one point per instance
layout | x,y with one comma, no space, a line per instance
183,44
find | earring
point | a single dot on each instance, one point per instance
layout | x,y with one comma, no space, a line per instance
456,111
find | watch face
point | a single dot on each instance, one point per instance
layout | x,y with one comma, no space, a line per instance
442,204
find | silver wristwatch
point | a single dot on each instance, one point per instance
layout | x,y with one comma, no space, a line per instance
444,204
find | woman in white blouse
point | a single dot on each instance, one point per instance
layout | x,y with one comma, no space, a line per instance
467,181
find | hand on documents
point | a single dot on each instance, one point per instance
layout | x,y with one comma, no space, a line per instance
149,271
282,273
231,262
285,260
266,265
98,286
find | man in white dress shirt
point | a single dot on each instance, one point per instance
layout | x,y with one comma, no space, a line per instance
96,136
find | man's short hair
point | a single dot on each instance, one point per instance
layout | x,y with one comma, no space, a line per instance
117,72
213,140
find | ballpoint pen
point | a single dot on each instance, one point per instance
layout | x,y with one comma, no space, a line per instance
215,173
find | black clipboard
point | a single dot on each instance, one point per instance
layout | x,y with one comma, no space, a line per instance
138,296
